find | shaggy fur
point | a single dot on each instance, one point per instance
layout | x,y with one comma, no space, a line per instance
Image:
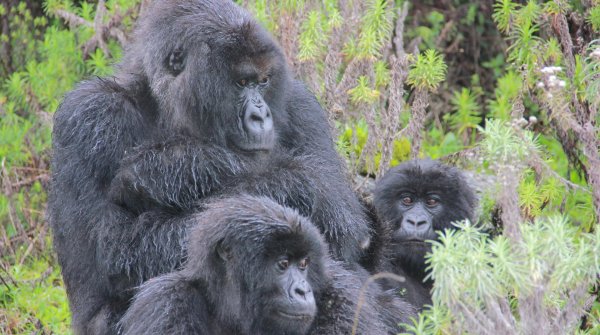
133,153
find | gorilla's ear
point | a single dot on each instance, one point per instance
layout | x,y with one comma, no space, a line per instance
224,251
176,61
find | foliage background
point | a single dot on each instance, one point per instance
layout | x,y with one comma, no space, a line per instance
508,90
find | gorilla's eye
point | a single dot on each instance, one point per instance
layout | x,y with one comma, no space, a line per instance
242,82
431,202
407,200
176,61
283,264
304,263
264,80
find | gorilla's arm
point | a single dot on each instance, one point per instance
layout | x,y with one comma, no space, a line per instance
380,314
168,305
337,204
173,174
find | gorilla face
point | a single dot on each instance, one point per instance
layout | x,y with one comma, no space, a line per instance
281,296
416,211
417,199
255,129
292,307
417,216
217,83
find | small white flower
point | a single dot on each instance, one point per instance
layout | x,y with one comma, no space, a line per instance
562,83
540,84
533,119
551,69
549,95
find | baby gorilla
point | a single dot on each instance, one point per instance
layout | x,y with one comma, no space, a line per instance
255,267
414,201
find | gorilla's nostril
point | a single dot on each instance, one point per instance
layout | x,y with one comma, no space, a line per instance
256,118
300,292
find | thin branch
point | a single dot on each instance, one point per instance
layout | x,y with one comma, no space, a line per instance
72,19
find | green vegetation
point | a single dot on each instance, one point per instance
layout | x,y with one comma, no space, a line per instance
508,90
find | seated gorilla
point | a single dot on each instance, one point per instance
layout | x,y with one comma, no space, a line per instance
202,105
255,267
414,201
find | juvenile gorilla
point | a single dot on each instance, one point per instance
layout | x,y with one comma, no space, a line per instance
201,105
414,201
255,267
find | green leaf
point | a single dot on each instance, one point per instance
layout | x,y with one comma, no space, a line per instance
428,71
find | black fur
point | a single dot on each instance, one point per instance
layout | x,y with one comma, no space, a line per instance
234,295
381,312
402,251
133,153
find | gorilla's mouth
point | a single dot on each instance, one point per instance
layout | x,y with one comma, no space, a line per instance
295,316
246,148
256,148
410,240
414,241
258,144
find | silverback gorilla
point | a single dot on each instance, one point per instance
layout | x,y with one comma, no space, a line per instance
202,105
414,201
255,267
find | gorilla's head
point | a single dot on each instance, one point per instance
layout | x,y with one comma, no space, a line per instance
415,200
214,73
262,264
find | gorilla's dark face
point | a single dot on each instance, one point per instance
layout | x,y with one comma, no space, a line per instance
416,211
217,77
291,305
263,264
417,199
280,297
252,81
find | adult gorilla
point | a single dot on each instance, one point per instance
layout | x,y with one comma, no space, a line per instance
414,201
201,105
255,267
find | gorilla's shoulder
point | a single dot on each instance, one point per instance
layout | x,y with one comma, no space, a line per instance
166,295
300,96
169,285
99,94
97,103
308,120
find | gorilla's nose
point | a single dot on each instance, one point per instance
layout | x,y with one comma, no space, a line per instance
301,290
258,119
417,225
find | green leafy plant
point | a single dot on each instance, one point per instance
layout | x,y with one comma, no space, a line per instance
466,116
594,17
428,71
497,285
